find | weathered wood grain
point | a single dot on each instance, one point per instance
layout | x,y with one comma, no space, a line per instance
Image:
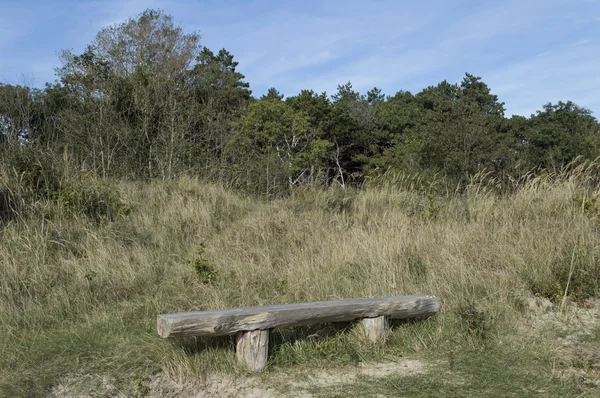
230,321
252,349
374,329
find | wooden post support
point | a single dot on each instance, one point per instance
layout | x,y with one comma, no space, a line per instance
252,349
375,329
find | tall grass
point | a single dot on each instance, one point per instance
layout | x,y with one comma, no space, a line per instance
79,293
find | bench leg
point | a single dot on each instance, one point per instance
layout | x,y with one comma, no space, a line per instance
252,349
374,328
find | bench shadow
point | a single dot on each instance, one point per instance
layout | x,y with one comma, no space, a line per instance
317,331
196,345
277,338
396,323
280,338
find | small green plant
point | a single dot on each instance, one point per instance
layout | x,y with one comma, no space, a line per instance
327,347
433,208
590,206
141,388
474,320
552,291
206,272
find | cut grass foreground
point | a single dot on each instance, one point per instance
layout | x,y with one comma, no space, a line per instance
79,294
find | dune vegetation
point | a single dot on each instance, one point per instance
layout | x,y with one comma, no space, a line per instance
85,273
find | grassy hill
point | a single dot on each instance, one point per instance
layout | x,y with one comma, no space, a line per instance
85,272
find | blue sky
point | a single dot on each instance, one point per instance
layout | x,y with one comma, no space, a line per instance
529,52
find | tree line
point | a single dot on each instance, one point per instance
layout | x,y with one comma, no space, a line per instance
145,100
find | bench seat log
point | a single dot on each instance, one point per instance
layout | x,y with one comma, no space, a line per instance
230,321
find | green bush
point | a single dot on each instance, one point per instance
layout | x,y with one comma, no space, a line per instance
94,199
206,271
577,272
474,320
10,205
39,173
339,200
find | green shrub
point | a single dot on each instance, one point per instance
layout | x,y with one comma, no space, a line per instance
10,205
578,272
433,208
39,173
339,201
474,320
94,199
205,271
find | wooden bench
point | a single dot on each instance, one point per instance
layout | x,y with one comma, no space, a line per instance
252,324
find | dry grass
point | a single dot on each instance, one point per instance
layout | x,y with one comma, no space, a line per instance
80,296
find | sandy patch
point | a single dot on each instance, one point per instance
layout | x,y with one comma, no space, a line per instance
268,385
576,331
345,376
